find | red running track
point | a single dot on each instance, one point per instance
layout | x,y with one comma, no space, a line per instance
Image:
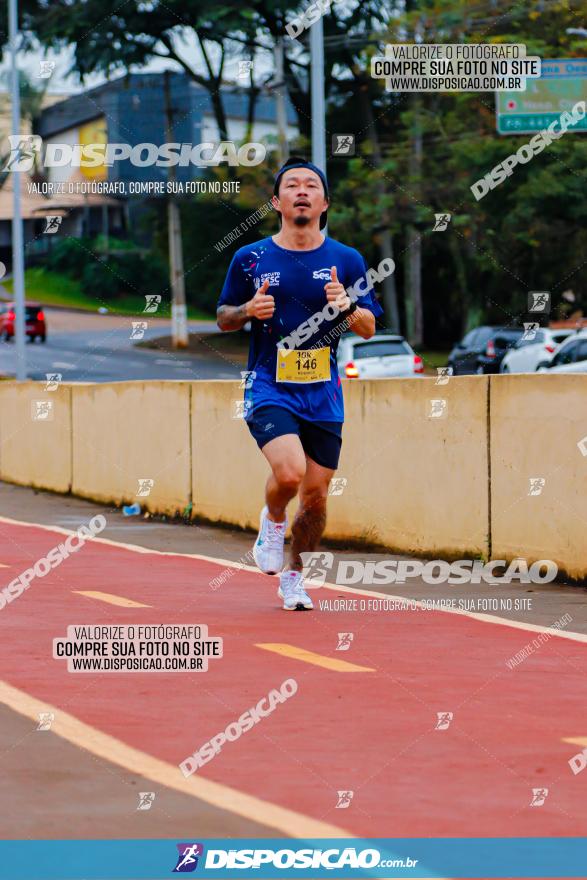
370,732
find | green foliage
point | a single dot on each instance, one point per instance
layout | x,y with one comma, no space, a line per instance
205,223
107,277
100,280
32,92
529,233
70,256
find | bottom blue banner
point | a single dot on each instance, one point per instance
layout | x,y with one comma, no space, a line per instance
532,857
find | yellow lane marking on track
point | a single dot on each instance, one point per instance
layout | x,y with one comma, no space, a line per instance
355,591
311,657
4,566
111,599
576,740
289,822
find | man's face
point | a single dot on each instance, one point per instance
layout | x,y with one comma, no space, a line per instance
300,198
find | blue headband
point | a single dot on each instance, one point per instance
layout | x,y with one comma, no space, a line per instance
309,166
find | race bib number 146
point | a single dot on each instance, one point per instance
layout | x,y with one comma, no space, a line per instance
310,365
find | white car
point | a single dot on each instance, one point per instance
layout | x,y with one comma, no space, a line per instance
526,355
570,356
381,357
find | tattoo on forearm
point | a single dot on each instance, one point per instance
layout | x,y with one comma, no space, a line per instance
231,317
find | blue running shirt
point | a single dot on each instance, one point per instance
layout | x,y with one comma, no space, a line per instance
297,280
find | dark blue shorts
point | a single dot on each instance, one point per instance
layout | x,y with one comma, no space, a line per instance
321,441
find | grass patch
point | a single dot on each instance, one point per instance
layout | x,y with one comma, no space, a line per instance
234,346
50,288
54,289
433,359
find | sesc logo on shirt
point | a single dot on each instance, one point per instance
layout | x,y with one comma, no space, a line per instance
272,277
299,296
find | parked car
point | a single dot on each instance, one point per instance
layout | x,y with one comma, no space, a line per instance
526,354
35,324
380,357
483,349
570,356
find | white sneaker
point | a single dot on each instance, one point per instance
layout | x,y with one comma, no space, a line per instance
291,590
268,548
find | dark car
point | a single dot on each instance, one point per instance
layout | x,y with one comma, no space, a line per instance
482,350
34,321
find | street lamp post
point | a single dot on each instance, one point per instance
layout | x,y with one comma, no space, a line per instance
317,88
179,323
17,238
278,85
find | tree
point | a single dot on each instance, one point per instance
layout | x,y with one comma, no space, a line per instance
31,95
134,33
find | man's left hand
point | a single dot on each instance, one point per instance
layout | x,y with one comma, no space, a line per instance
335,292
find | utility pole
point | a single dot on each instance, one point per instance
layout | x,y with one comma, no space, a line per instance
413,282
414,310
279,87
17,238
179,323
384,235
318,103
319,155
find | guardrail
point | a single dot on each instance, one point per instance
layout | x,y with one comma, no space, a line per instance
467,482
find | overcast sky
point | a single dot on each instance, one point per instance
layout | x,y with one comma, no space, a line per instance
62,83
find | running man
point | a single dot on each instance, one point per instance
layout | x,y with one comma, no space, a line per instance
293,403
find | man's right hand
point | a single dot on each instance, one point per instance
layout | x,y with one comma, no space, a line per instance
262,305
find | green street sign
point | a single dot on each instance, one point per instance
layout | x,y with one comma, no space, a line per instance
563,82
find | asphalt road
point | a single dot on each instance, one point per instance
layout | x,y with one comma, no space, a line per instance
98,348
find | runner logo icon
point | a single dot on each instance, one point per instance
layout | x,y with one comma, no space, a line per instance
316,566
187,860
